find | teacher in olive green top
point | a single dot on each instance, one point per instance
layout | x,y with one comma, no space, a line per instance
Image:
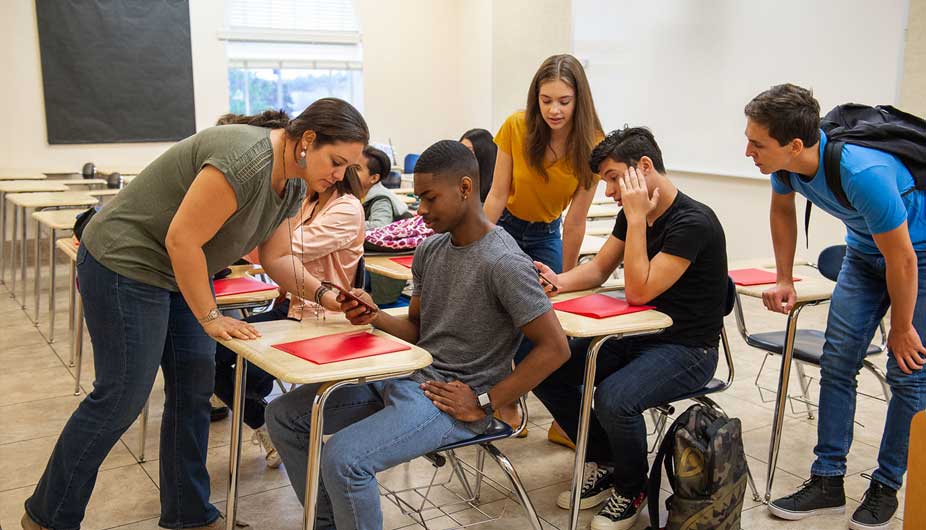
144,269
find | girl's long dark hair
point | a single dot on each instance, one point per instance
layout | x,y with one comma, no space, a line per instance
486,151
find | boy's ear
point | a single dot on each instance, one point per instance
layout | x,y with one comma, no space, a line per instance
466,186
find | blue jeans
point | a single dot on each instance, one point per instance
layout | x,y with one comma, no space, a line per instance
376,426
259,383
541,241
135,328
859,302
631,376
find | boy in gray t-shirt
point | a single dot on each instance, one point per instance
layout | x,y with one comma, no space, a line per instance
475,294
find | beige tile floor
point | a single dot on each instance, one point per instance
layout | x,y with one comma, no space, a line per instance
37,400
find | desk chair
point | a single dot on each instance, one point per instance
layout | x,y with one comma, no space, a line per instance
415,502
662,413
808,343
408,166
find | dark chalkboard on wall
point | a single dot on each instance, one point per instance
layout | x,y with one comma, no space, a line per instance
116,71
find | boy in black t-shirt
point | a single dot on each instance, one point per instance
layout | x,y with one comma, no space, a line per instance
674,256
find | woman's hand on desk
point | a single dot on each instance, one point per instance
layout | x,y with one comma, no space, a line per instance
227,328
780,299
455,398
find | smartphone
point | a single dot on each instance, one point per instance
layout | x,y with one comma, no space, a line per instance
545,281
349,296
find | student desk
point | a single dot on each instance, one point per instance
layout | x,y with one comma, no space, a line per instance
68,246
106,192
293,369
599,227
403,191
12,175
38,201
52,220
408,199
810,291
599,211
384,266
591,245
18,186
83,182
601,330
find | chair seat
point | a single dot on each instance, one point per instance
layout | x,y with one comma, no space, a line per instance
808,344
496,430
712,386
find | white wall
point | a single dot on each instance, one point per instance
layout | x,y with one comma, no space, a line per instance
23,137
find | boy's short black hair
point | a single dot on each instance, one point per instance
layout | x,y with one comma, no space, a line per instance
451,160
789,112
628,146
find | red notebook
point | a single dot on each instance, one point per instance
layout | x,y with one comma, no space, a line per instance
747,277
341,347
229,286
405,261
599,306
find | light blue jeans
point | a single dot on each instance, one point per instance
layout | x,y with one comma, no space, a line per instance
858,304
374,427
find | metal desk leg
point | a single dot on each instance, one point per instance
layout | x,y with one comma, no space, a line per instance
51,288
72,305
38,268
588,393
22,255
315,450
13,253
78,347
782,398
231,506
2,237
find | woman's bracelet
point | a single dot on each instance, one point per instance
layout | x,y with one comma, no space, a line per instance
319,293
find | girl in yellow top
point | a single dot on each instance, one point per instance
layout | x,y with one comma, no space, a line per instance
542,165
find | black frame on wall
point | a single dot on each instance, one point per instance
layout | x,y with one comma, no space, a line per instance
116,71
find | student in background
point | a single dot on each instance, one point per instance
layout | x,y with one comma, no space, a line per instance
329,242
542,165
144,265
674,254
471,325
885,266
480,142
381,207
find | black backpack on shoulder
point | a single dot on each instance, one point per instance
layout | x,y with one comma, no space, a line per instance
882,127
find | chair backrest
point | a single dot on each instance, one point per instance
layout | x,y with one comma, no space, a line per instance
360,275
830,261
730,300
409,165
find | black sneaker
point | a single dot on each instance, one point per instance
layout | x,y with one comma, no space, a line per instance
620,513
817,496
877,508
595,489
218,413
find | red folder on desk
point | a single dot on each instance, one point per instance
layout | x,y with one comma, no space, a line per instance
405,261
341,347
229,286
746,277
599,306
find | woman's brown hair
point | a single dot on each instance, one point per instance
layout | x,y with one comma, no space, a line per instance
586,127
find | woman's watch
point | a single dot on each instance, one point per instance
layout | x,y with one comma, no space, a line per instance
486,403
213,314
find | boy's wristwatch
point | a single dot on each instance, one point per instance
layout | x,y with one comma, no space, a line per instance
485,402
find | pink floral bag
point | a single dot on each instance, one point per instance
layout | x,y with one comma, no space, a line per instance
404,234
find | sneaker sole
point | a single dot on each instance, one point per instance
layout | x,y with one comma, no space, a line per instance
855,525
603,523
796,516
589,502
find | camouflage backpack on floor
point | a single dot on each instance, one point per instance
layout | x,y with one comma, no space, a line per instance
706,467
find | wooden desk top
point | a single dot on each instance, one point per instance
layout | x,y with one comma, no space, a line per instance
408,199
83,182
579,326
24,186
591,245
48,200
761,263
57,219
603,210
808,289
258,297
13,175
103,193
295,370
384,266
404,191
599,227
67,246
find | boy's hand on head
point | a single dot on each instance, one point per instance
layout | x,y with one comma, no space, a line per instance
635,196
455,398
551,286
356,313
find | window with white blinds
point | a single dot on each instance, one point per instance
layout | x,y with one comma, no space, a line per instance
287,53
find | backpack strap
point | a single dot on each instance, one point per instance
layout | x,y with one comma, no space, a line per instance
832,154
784,177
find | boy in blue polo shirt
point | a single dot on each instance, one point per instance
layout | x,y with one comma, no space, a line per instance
885,266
